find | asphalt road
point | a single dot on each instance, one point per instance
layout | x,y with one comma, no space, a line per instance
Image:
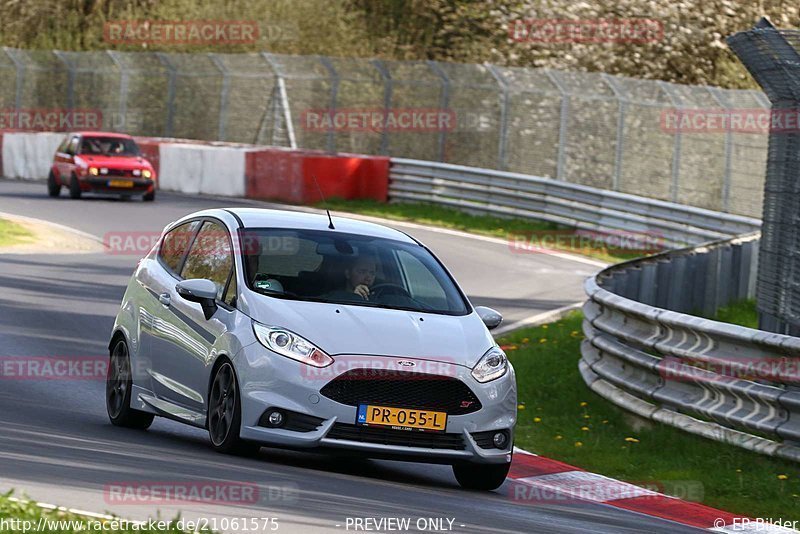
56,444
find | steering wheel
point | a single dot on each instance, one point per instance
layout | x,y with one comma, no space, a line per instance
379,290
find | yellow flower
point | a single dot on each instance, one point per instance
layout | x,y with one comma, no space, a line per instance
544,326
632,440
586,416
520,406
557,437
782,477
525,340
605,421
537,419
543,340
738,470
578,444
585,428
574,333
584,403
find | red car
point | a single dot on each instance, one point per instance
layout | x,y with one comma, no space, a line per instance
101,162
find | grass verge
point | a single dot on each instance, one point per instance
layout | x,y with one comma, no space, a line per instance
560,417
742,313
26,516
532,232
12,233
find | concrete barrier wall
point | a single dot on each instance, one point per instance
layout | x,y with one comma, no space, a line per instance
202,169
28,156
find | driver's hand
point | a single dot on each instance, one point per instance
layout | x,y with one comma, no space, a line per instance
362,290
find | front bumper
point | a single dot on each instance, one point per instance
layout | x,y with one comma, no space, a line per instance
104,184
268,380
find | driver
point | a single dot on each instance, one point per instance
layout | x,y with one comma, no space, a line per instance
360,275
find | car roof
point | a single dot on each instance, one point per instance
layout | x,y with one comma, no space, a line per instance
101,134
272,218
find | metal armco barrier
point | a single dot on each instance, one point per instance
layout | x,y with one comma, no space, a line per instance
725,382
588,208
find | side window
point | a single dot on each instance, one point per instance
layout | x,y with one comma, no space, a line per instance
72,149
175,243
230,294
62,148
210,256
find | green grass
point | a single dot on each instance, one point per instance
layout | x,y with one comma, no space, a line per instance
505,228
560,417
24,516
742,313
13,234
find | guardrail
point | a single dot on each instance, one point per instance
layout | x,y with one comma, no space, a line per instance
588,208
725,382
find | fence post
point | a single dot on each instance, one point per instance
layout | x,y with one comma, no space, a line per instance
444,103
123,91
562,128
719,96
622,106
331,136
162,57
20,81
388,87
223,94
287,112
676,153
502,148
70,78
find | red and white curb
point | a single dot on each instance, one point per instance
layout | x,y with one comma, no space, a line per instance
537,479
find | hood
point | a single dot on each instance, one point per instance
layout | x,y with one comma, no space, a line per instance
116,162
355,330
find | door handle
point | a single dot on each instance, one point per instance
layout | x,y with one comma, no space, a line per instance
163,298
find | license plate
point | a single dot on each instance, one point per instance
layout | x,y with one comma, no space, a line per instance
120,183
402,418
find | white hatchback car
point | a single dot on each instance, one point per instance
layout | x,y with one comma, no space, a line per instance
290,329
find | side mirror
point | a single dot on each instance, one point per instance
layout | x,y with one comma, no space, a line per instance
201,291
490,317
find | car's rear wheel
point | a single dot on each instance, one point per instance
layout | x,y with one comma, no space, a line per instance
53,187
74,187
119,383
484,477
225,413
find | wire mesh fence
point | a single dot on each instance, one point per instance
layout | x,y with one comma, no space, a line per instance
586,128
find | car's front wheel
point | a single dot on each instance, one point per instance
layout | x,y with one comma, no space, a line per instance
53,187
225,413
74,187
485,477
149,197
119,383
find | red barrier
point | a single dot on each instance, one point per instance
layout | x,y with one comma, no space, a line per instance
288,175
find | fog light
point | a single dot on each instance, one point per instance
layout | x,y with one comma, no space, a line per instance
275,418
500,439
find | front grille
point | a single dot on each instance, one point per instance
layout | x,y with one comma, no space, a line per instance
402,389
401,438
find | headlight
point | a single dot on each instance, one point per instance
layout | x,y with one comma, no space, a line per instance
137,172
146,173
103,170
493,365
291,345
93,171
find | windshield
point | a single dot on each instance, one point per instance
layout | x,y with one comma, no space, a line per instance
109,146
348,269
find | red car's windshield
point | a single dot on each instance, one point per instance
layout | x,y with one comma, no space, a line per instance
109,146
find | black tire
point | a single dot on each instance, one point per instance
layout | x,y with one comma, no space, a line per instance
74,187
149,197
53,188
484,477
118,391
225,414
